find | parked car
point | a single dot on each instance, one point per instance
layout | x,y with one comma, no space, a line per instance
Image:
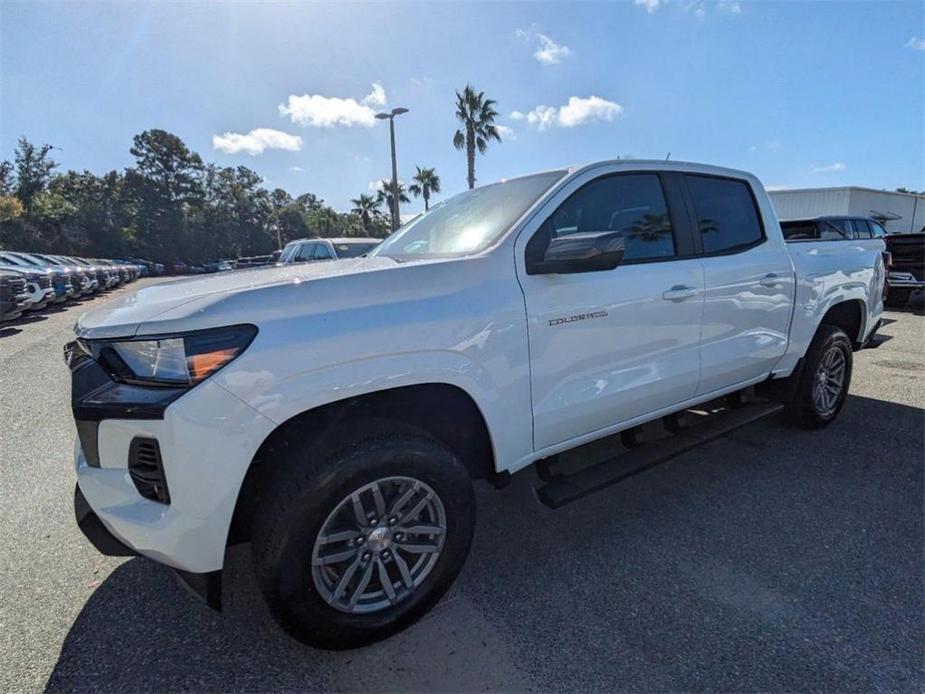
101,271
309,250
14,296
83,279
61,277
906,252
334,414
38,284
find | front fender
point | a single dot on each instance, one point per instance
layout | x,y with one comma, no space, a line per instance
504,406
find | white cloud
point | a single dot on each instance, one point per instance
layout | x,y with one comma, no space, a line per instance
376,97
517,115
380,184
649,5
916,44
256,141
297,169
701,7
834,167
320,111
548,52
578,111
505,131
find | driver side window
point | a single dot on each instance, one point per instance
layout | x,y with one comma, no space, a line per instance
632,205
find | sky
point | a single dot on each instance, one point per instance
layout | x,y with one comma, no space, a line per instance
803,94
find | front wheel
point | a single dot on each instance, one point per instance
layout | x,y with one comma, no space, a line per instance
354,548
824,381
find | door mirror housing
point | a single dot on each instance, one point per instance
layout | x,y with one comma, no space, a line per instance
590,251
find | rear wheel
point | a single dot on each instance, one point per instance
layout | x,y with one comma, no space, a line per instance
358,546
824,382
897,298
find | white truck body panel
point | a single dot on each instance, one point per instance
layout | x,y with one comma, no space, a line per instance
331,331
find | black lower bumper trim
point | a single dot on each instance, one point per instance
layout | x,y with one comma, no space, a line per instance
207,587
94,530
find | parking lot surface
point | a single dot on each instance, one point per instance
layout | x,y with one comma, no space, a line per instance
774,559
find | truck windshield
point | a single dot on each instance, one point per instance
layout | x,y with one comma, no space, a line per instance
467,223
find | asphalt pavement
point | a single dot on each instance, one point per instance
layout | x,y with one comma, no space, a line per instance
774,559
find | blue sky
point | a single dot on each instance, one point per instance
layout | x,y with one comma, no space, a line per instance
801,93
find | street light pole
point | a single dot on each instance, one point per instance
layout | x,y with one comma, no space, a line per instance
391,117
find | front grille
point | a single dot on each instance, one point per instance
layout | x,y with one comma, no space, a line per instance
13,287
147,470
45,281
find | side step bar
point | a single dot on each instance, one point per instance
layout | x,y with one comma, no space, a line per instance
564,489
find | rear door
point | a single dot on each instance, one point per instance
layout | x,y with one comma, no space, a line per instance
749,283
612,345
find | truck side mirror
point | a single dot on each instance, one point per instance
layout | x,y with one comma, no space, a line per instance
590,251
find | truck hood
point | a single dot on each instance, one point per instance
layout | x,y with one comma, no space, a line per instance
124,316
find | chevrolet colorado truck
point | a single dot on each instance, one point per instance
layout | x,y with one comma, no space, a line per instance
335,414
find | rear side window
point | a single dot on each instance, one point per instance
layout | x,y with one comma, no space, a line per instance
877,230
861,228
798,231
833,229
726,214
322,252
306,252
631,204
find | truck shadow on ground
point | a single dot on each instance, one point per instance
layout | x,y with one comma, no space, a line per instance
774,559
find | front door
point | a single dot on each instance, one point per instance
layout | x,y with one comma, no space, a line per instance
609,346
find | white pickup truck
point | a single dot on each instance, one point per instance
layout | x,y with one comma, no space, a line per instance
335,414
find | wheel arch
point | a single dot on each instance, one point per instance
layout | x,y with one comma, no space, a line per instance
848,315
443,410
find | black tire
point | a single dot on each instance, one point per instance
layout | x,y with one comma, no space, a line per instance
897,297
309,487
804,409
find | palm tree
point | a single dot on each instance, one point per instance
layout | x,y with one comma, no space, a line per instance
426,181
384,196
364,207
477,116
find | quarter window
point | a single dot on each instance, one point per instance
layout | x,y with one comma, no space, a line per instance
632,205
726,213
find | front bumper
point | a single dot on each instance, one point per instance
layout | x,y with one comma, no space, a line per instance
207,439
205,586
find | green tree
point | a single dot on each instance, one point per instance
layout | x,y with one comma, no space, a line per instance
365,207
10,208
166,184
235,218
386,193
424,183
477,116
34,168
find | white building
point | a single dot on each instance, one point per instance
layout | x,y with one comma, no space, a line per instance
898,212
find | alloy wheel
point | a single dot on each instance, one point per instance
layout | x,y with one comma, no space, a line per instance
378,545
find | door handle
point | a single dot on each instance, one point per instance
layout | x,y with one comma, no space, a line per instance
771,279
679,292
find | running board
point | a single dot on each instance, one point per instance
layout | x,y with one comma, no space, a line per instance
564,489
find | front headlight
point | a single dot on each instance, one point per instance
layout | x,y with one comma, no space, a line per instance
182,359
